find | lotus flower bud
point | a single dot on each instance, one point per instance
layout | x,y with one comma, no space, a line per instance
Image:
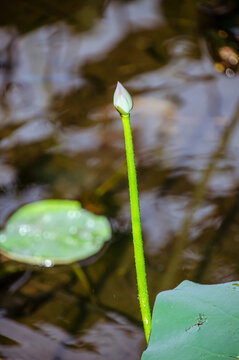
122,100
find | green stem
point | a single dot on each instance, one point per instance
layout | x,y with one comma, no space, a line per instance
81,275
136,227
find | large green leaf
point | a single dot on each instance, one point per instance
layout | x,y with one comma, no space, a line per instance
195,322
53,232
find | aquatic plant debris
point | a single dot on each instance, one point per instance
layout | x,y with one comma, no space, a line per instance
202,319
50,232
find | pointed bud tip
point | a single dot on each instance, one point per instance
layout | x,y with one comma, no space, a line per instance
122,100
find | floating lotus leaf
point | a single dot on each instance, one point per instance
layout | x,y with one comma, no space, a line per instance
52,232
195,322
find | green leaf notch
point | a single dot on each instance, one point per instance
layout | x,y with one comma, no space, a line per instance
53,232
195,322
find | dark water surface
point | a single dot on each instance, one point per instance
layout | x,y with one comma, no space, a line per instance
61,138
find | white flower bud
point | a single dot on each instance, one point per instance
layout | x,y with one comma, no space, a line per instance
122,100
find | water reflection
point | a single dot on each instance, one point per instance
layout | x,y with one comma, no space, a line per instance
60,138
46,62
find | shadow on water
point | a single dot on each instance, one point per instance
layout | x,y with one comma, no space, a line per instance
61,138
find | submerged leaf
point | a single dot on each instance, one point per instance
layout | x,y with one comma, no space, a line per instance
195,322
52,232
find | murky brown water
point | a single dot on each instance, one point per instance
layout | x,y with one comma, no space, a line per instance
61,138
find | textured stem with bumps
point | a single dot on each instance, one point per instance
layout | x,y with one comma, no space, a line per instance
136,228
